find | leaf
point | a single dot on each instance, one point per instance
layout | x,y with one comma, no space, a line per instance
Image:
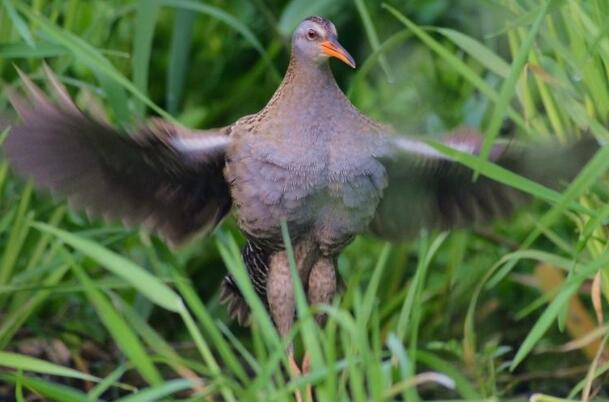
373,37
462,383
54,392
477,50
466,71
140,279
551,313
116,97
89,56
297,10
228,19
146,15
123,336
23,51
19,24
181,42
26,363
508,88
160,392
16,237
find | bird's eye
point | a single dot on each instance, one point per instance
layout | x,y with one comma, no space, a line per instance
311,34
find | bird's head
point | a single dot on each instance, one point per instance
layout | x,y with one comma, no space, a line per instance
316,39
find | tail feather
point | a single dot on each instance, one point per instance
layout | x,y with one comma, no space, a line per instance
230,296
256,261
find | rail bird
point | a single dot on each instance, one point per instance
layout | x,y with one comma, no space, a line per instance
308,158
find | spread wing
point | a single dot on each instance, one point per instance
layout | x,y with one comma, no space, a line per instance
164,177
428,190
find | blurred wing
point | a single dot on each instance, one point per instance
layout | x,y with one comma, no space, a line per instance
164,177
428,190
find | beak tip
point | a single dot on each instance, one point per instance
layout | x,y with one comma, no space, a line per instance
332,48
350,63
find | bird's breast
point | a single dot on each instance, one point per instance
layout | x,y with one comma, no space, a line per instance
325,185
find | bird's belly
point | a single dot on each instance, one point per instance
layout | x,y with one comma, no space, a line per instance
318,200
348,201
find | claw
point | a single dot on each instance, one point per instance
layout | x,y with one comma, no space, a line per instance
306,368
297,371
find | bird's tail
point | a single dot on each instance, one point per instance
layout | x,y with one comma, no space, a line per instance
231,297
256,261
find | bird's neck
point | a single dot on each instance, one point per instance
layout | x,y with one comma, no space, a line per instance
306,83
303,72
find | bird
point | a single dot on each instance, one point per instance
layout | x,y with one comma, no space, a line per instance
309,158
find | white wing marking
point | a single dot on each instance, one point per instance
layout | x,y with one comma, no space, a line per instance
423,149
200,144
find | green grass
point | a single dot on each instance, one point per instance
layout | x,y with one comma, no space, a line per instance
90,311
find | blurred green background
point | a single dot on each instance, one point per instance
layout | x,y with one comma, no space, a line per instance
93,311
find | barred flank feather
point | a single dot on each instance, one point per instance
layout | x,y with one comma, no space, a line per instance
256,261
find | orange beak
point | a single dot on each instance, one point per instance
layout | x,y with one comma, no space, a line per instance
334,49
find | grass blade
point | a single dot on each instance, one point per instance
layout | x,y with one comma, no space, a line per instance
146,16
89,56
507,177
462,383
228,20
19,24
373,37
567,289
159,392
106,383
16,237
206,321
508,87
27,363
55,392
477,50
460,66
297,10
181,42
21,51
124,337
309,328
147,284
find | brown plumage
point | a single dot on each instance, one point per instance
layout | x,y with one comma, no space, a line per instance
143,179
309,157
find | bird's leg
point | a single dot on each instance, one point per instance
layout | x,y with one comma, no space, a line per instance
322,285
280,296
321,290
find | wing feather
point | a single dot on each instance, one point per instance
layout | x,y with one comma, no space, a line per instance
164,177
429,190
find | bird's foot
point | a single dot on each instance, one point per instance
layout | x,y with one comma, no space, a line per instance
306,363
306,368
297,371
294,368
